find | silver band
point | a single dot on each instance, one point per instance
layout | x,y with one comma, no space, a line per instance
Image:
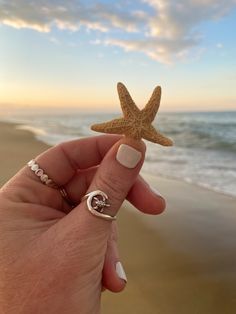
42,176
96,202
32,164
66,197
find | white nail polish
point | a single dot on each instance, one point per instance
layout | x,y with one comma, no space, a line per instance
155,191
127,156
120,271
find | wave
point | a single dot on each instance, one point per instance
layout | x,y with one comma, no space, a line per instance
193,132
204,150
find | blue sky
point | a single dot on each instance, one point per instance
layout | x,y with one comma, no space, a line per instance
72,53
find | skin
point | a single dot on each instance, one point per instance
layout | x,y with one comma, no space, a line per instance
55,259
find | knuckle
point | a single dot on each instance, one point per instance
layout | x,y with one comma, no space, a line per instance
114,186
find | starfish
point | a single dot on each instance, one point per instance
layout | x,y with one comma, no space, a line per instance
136,123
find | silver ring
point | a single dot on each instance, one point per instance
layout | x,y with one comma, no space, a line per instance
42,176
96,203
49,182
64,194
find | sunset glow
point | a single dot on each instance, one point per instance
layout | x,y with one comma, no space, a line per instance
73,53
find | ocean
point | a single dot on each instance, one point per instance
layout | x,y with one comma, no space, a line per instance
204,152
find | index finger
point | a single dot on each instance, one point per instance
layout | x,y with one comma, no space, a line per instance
61,162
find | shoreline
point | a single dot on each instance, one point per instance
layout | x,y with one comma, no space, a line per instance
26,128
16,149
180,262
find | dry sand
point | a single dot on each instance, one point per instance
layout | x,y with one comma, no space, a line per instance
16,148
183,261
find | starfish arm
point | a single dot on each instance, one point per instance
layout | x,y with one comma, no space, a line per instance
115,126
151,108
152,135
128,106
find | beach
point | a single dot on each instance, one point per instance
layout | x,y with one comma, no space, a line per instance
182,261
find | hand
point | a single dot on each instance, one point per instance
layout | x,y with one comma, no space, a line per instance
55,259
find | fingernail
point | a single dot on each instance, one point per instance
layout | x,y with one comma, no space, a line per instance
155,191
120,271
127,156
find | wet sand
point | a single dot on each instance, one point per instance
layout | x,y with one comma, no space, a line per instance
183,261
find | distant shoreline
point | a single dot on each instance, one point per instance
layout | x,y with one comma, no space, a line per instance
37,133
5,109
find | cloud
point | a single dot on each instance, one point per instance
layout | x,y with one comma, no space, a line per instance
164,30
161,50
55,41
219,45
174,19
43,15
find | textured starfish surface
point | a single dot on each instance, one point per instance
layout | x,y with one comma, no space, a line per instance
135,123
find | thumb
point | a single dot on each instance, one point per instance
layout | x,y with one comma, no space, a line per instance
88,234
115,177
117,174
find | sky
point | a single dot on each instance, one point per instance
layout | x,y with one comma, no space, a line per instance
72,53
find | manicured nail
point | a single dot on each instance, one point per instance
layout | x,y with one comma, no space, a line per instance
155,191
120,271
127,156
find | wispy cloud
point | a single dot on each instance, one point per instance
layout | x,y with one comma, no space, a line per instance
55,41
43,15
164,30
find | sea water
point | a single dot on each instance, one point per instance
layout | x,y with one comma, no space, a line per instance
204,152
